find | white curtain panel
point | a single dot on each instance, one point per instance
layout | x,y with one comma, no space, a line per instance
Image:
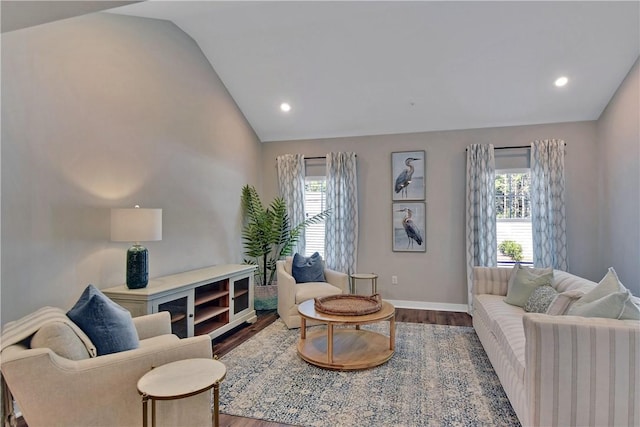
291,174
548,219
341,228
482,243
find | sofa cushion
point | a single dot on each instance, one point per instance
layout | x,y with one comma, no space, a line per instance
540,299
609,299
505,323
61,339
108,325
523,282
308,269
310,290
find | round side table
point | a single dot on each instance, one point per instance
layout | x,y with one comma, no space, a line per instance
177,380
364,276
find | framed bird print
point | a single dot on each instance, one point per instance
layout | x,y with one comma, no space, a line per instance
408,175
409,227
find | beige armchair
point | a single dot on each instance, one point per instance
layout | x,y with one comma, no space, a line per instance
101,391
290,293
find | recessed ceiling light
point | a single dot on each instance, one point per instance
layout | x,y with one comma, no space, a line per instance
561,81
285,107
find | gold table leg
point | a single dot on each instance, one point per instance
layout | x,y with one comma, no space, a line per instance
145,421
216,404
153,412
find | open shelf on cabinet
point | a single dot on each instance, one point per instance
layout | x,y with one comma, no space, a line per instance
210,296
207,313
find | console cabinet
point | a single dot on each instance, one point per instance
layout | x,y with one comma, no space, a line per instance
208,301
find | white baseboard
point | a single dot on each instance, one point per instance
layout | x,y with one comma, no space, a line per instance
437,306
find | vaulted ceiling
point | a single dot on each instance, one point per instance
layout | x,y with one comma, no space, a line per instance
374,67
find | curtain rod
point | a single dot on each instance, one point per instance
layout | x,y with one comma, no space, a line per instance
318,157
514,147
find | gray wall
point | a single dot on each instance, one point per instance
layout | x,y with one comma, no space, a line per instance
106,111
619,171
438,276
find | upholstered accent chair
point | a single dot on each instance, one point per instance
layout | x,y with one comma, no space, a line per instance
52,390
290,293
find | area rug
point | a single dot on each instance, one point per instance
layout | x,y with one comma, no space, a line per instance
438,376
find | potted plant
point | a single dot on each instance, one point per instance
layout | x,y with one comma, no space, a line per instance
267,237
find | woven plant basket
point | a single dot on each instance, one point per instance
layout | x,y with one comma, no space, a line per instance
265,297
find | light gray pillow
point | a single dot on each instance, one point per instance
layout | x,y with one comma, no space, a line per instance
61,339
612,306
609,299
524,283
540,299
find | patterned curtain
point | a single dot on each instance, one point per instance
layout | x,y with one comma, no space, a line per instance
291,175
482,242
341,228
547,204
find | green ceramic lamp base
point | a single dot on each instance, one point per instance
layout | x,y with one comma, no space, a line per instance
137,267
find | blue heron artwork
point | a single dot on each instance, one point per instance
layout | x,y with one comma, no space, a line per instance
409,227
407,168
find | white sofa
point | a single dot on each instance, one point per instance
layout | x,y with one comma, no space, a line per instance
290,293
559,370
51,390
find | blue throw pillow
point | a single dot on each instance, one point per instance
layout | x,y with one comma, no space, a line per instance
308,269
108,325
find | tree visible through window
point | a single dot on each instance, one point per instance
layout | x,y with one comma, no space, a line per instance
315,191
513,216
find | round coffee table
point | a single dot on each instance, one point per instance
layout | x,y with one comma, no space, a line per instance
346,348
180,379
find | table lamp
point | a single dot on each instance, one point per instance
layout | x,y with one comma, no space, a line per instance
136,225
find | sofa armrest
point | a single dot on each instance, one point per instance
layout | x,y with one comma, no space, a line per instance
490,280
94,387
153,325
581,371
286,289
338,279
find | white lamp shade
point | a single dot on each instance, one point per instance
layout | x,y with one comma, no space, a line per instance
136,225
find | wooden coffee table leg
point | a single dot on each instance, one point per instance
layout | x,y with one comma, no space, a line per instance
330,342
303,328
392,333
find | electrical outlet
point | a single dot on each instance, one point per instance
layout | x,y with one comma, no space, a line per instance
394,280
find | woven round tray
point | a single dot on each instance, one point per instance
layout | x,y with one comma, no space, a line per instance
348,305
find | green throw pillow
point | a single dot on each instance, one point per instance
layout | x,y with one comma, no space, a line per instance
540,299
609,299
523,284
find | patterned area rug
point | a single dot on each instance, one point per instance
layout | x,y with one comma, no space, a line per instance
439,376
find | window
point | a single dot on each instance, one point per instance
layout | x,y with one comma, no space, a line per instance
315,192
513,216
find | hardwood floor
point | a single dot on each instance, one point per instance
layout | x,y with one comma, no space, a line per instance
225,343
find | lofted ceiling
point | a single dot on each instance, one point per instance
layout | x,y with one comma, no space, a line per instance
353,68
